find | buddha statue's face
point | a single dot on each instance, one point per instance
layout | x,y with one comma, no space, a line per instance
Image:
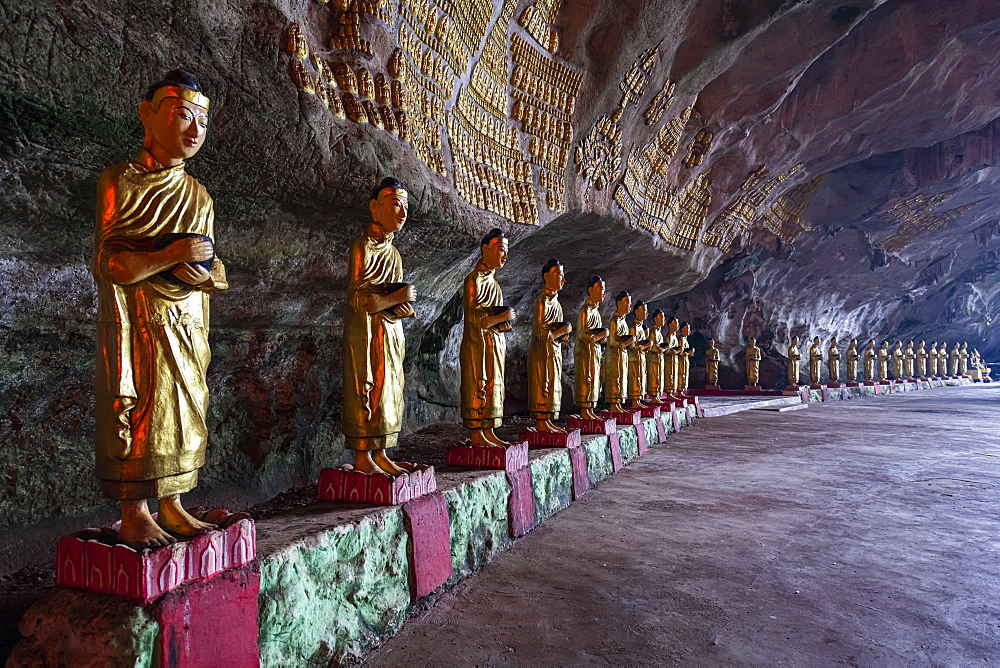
854,342
624,304
672,325
816,341
175,130
659,319
753,342
795,340
640,312
685,330
555,278
495,253
833,341
389,211
597,291
711,343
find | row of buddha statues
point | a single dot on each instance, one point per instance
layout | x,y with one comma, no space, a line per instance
907,363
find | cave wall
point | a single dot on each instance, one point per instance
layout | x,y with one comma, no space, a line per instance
759,167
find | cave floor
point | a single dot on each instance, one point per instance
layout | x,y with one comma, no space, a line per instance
860,532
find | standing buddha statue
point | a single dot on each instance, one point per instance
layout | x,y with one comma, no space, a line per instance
590,333
548,333
815,361
637,357
753,357
833,361
852,361
869,358
616,360
793,363
712,364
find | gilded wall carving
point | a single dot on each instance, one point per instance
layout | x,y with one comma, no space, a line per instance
784,218
739,216
916,217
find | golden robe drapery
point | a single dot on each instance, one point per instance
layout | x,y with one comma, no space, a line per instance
545,359
637,364
587,358
483,352
671,363
684,364
654,363
374,348
616,361
793,365
151,396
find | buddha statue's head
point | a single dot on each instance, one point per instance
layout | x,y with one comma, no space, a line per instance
753,343
494,248
685,329
711,343
640,310
596,289
672,325
389,205
659,319
554,275
623,302
795,341
174,114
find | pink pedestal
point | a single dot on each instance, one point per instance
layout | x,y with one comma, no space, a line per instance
380,488
427,522
551,439
853,385
712,387
661,429
676,419
751,388
145,576
508,459
581,479
650,412
588,426
633,418
522,501
640,432
616,452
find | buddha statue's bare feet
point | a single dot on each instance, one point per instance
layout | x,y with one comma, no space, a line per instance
363,463
588,414
383,462
176,520
138,530
547,425
615,408
478,439
496,440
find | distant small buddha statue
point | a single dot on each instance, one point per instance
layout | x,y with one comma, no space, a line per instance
932,360
963,368
712,364
869,358
852,361
753,357
793,362
883,361
908,357
833,361
897,361
956,360
815,362
921,356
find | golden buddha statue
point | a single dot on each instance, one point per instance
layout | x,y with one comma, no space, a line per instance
956,360
753,357
852,361
374,345
815,362
684,371
548,332
897,361
637,357
671,359
833,361
883,361
869,358
921,356
484,348
654,357
616,359
932,360
712,364
793,362
963,367
943,359
590,334
154,265
908,357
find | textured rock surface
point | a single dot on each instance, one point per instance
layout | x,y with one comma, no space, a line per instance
479,522
893,102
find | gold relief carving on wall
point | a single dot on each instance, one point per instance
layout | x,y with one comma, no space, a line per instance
296,42
783,218
740,215
660,103
539,20
693,201
300,76
699,148
916,217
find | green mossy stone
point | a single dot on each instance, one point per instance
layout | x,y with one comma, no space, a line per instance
334,596
552,482
599,464
480,522
628,441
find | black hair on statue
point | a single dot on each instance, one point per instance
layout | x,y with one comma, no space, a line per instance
552,263
594,280
495,233
671,319
622,295
656,313
685,324
178,78
638,304
387,182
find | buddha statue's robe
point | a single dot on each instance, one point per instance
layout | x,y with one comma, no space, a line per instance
897,363
637,364
654,363
883,363
793,365
545,359
616,361
712,366
963,366
852,364
921,356
932,362
151,396
374,348
684,370
956,360
869,360
753,357
833,364
483,352
908,356
587,357
815,364
671,362
943,360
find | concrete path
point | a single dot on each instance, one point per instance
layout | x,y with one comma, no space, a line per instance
864,532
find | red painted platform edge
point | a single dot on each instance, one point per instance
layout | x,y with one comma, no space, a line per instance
427,523
146,575
508,459
624,417
587,426
212,623
581,478
521,508
650,412
616,452
343,485
733,393
551,439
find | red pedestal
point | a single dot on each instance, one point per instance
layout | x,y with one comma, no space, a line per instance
213,623
712,387
588,426
624,417
508,459
522,501
751,388
853,385
551,439
380,488
145,576
427,523
650,412
581,479
616,452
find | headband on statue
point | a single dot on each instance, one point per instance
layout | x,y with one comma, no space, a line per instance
192,96
398,192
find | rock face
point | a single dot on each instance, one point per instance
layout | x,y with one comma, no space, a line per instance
759,168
